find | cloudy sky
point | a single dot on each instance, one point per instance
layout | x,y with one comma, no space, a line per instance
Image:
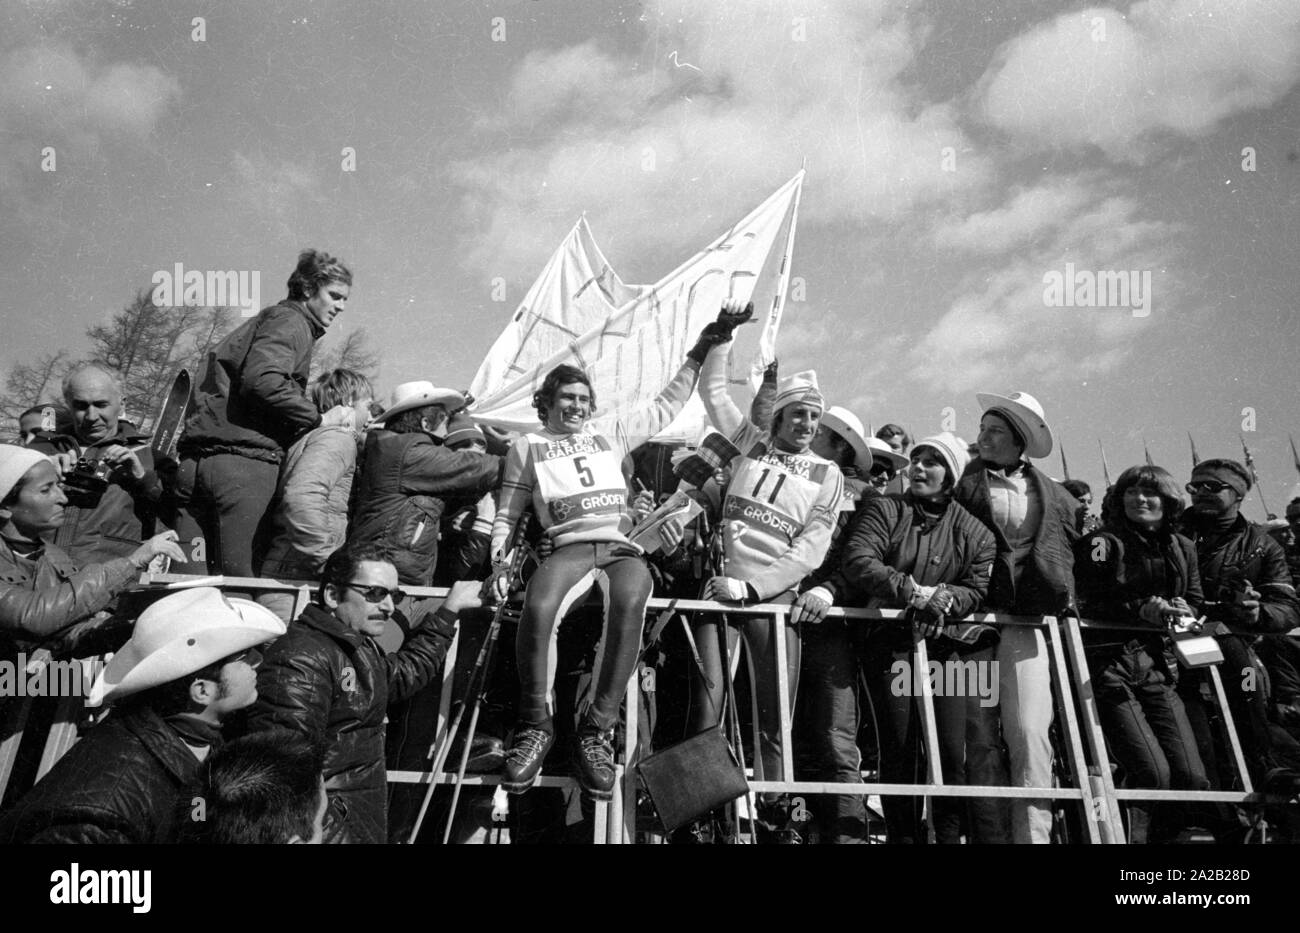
957,154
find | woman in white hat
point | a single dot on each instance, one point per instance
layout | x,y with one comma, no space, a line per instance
1033,521
41,591
777,516
922,552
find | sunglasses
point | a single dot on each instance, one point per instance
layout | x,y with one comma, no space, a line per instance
250,656
1206,485
376,594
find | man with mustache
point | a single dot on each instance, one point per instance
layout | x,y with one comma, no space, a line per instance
329,679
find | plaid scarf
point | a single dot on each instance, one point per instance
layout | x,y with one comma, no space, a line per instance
714,453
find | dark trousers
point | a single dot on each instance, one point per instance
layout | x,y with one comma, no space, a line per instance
1148,733
560,584
706,704
969,747
229,499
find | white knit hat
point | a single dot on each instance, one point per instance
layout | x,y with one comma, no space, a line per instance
951,448
799,388
15,461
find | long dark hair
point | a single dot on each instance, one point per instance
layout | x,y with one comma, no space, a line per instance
1154,478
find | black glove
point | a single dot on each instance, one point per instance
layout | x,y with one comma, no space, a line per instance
718,332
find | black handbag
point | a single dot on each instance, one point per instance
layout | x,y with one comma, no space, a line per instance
692,777
687,780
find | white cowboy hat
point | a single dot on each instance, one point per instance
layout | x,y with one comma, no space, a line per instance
801,387
847,425
951,449
410,395
882,451
180,634
1026,415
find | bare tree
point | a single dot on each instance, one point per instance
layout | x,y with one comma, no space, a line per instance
352,352
31,384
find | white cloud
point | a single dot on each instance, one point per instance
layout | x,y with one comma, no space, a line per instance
1169,66
1000,322
1028,215
274,187
50,89
663,157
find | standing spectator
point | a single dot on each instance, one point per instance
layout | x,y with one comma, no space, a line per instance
407,474
48,428
1139,570
1289,537
896,437
1033,522
310,521
106,517
261,789
329,681
251,405
189,664
924,553
1087,522
885,465
1248,586
778,513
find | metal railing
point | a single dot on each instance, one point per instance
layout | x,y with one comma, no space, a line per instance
1085,752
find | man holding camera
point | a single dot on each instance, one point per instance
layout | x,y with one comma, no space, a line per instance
1247,586
111,485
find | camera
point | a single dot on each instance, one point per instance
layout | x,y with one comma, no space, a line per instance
1182,623
89,476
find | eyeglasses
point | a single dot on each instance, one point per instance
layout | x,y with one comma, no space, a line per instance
250,656
376,594
1206,485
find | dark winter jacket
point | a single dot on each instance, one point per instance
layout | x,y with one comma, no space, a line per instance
1245,552
127,781
829,576
402,485
101,525
1117,570
252,399
332,684
1045,583
888,543
45,594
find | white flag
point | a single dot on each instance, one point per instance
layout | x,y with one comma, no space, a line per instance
631,339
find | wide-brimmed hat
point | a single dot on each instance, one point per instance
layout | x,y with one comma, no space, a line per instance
1025,415
15,461
951,449
882,451
180,634
410,395
801,387
848,426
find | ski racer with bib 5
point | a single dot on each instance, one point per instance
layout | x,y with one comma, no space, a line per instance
571,472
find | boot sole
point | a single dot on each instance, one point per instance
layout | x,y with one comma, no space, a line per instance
600,796
520,787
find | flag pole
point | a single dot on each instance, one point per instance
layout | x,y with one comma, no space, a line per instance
1105,470
1147,452
1065,468
1195,458
1250,465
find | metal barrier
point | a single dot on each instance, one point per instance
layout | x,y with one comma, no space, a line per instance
615,821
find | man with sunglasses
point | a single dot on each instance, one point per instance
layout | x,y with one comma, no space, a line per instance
1247,585
329,680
